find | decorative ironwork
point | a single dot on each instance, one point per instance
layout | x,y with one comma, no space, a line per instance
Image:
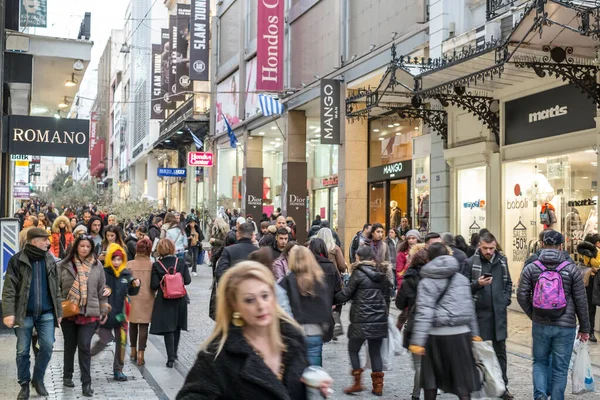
436,119
558,62
484,108
498,7
476,78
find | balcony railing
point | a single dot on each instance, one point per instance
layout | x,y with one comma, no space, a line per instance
495,8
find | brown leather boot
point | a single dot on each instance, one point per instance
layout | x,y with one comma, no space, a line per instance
133,355
140,358
377,378
357,386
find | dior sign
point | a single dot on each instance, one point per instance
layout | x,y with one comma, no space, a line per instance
295,193
253,192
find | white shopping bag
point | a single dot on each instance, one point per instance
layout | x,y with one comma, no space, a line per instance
387,355
395,337
492,382
582,379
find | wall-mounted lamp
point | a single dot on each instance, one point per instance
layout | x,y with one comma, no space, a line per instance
64,103
71,82
125,48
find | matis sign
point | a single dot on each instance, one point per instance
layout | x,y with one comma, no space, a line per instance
269,47
200,159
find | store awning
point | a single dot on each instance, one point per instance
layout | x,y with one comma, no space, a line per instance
556,23
176,131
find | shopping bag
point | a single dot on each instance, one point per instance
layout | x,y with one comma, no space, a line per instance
582,379
338,329
487,363
396,337
387,355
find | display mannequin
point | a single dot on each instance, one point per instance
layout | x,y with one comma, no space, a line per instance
423,212
591,225
395,215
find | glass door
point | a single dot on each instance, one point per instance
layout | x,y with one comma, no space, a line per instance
377,202
399,202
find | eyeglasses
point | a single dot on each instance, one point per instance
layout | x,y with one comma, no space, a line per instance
83,236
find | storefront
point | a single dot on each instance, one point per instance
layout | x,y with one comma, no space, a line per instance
390,174
472,204
555,183
230,164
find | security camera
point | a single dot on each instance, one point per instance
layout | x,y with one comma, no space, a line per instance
78,65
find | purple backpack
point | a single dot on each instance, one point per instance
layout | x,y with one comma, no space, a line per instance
549,298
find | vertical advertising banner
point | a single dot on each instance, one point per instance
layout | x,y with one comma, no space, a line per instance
93,129
330,111
199,49
179,25
253,195
295,195
157,111
167,103
33,13
270,45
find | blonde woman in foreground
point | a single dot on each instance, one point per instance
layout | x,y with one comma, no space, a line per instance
256,351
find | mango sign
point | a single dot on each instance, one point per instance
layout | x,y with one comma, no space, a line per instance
200,159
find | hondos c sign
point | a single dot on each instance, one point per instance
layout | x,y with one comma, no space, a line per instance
48,136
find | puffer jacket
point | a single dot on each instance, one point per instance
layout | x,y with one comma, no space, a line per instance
369,289
455,308
577,307
591,258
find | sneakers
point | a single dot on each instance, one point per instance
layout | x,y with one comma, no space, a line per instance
507,395
68,382
194,274
120,376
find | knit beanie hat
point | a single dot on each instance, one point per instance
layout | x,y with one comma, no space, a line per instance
118,253
415,233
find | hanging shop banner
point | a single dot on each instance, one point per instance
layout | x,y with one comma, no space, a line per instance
93,129
21,192
21,173
550,113
157,111
33,13
179,25
199,50
330,111
172,172
253,192
167,103
295,193
46,136
200,159
269,47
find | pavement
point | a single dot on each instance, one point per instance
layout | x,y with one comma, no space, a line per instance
155,381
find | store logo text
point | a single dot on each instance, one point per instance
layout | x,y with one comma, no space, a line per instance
393,168
475,204
552,112
516,204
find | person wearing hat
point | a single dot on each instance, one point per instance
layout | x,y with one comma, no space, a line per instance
31,298
121,283
402,261
491,286
554,336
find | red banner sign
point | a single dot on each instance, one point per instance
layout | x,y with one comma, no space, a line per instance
330,181
200,159
269,76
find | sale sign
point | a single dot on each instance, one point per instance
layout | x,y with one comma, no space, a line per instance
269,46
200,159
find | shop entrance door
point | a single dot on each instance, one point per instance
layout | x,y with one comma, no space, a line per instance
381,196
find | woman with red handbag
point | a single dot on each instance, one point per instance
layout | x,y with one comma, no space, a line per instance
169,316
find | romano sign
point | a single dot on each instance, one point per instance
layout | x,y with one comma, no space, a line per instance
48,136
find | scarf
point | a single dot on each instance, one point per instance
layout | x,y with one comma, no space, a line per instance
78,293
476,270
34,253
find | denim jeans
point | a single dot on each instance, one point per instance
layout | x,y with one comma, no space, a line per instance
314,347
44,324
552,348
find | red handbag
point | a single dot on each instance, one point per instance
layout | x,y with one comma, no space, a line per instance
172,282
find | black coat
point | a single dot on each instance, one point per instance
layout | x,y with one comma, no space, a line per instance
308,309
369,289
131,247
406,299
121,286
492,300
332,275
168,314
238,373
459,255
153,232
234,254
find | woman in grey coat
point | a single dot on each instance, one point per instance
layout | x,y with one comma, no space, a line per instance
444,326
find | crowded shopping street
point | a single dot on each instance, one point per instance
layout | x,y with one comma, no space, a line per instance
299,200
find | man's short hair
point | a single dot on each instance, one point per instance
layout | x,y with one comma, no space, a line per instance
448,239
157,220
432,235
487,237
246,230
281,231
264,225
366,226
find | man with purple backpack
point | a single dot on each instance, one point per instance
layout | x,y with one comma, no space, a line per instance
552,294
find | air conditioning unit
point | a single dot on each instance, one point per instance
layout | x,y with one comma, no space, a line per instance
486,33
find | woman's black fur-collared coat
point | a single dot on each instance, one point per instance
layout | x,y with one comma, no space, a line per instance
239,373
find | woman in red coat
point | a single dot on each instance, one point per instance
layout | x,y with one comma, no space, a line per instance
402,262
62,238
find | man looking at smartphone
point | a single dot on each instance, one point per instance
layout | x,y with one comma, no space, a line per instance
492,290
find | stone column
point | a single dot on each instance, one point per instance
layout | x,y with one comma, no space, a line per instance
295,187
353,187
440,187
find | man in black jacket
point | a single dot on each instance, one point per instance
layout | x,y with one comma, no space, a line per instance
154,230
457,253
358,241
554,335
31,298
492,290
237,252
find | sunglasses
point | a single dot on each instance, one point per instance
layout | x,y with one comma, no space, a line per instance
83,236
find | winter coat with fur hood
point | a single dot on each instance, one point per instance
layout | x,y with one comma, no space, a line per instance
591,258
369,288
436,309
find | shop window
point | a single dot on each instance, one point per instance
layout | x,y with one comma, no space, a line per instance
421,194
558,192
390,140
229,177
377,202
471,201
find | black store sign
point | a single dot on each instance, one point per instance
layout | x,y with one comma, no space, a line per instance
386,172
254,193
330,111
295,193
199,51
48,136
550,113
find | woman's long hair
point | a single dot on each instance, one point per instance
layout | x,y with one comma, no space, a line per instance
227,297
171,221
73,252
307,270
326,235
318,247
57,221
118,239
220,228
